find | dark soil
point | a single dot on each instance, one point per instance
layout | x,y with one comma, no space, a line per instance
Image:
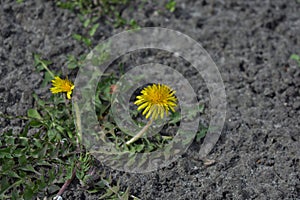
250,41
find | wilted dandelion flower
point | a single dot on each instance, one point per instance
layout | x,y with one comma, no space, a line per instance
156,100
62,85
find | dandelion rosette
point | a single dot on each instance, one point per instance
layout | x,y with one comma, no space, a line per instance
62,85
156,100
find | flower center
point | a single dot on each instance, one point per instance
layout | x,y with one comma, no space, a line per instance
66,86
157,98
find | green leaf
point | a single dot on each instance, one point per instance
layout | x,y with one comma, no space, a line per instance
94,19
6,187
72,62
80,38
51,134
7,165
47,79
93,30
201,134
139,148
15,193
22,160
33,113
86,23
92,190
12,174
5,153
60,128
134,24
125,196
30,168
201,108
295,57
23,141
25,130
28,193
77,37
38,100
70,134
175,117
35,124
171,5
87,41
38,143
38,62
10,140
58,137
17,153
53,189
66,5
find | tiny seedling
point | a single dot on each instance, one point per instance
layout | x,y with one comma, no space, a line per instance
171,5
296,58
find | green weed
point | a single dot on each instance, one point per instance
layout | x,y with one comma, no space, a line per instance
171,5
110,11
36,161
296,58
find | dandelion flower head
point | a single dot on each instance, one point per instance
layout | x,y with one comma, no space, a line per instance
156,100
62,85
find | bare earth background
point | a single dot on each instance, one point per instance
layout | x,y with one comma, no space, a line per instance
250,41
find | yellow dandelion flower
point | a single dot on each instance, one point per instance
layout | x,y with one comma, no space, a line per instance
62,85
156,100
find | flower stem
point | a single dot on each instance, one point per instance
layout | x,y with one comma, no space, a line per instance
141,133
66,184
46,68
78,124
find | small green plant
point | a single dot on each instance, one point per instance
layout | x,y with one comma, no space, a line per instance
296,58
81,6
73,62
133,24
171,5
91,25
109,10
33,162
48,152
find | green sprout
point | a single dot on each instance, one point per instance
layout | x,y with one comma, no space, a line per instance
296,58
171,5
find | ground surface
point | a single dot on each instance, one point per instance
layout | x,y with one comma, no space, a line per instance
250,41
